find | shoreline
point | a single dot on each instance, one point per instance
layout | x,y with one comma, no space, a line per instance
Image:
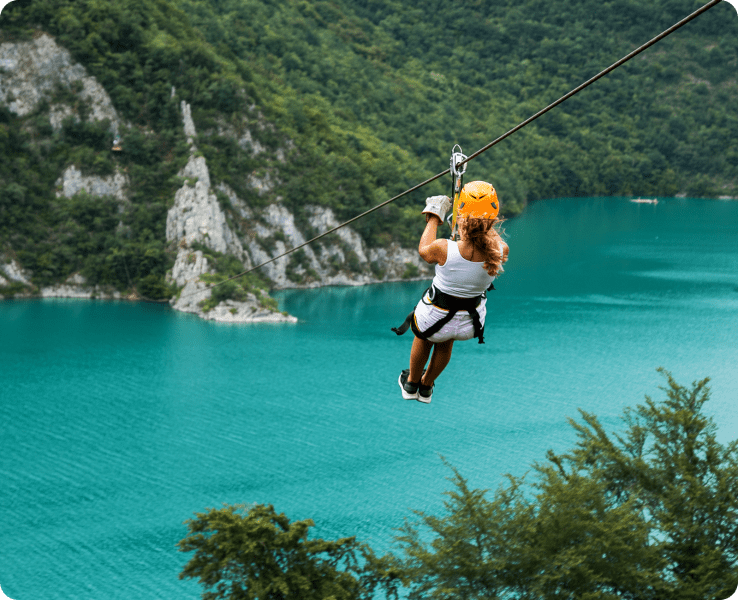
20,288
228,312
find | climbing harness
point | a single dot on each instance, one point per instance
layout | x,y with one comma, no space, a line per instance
462,162
452,304
457,168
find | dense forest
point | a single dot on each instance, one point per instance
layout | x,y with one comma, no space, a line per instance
365,98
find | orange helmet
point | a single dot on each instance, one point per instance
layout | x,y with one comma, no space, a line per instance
478,199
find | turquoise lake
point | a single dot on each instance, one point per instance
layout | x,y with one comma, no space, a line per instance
119,421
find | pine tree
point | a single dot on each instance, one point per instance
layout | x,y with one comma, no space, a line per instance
255,553
649,514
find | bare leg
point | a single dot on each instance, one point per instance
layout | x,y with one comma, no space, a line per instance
439,360
419,354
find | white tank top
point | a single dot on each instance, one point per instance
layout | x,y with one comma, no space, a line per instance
460,277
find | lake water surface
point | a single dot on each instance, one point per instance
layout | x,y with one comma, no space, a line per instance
119,421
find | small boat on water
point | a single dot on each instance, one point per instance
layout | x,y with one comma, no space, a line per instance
645,200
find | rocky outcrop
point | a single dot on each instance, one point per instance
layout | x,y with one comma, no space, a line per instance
188,268
34,71
341,258
13,273
72,182
251,311
272,234
76,287
342,261
196,217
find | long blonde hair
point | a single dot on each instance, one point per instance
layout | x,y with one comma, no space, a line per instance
485,236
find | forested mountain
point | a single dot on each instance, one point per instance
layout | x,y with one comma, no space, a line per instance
343,104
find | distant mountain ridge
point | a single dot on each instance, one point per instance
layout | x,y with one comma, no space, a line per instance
305,114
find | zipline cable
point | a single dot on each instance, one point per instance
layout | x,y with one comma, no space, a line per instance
543,111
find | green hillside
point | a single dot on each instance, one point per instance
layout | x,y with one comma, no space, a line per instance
367,97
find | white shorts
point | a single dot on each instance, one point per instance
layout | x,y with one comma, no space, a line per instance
461,327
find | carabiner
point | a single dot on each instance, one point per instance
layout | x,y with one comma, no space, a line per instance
456,158
457,173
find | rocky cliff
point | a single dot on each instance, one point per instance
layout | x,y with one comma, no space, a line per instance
207,220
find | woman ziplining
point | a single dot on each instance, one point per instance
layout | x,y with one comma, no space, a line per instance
454,306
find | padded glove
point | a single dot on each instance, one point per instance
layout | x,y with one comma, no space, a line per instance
437,205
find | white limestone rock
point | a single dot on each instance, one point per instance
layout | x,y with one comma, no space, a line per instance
323,255
189,124
196,215
31,71
262,185
189,265
76,286
275,270
57,114
322,219
72,182
250,311
186,272
276,219
65,291
394,260
243,209
14,272
245,139
247,142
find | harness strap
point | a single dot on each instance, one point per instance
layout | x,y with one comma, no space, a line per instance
453,305
435,328
478,327
405,324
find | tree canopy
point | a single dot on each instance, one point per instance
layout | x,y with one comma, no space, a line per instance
649,512
254,553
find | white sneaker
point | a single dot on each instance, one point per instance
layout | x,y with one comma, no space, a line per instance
425,393
409,390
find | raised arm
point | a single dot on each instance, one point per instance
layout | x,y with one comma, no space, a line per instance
430,249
